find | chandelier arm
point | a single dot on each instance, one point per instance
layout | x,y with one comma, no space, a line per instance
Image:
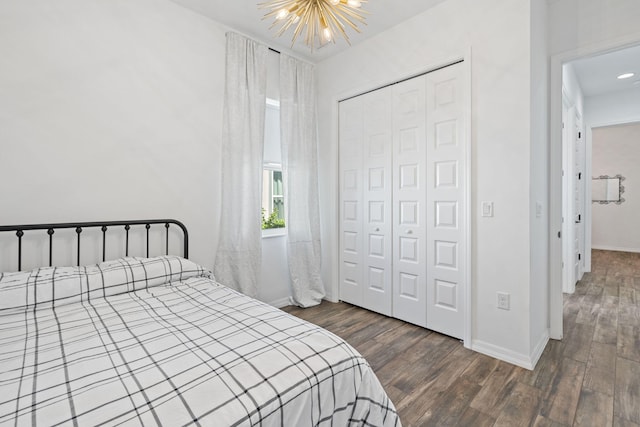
305,17
335,16
313,26
346,13
335,25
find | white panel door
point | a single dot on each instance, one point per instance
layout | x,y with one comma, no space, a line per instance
579,190
409,196
377,200
445,206
351,201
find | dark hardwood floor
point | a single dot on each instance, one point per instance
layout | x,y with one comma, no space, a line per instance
590,378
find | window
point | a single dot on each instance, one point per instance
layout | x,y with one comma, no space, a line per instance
272,197
273,209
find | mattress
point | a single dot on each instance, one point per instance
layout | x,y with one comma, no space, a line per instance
157,341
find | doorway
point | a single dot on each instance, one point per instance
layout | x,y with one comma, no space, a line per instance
617,102
585,92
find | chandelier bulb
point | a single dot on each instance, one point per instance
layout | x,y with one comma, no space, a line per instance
354,3
334,2
326,33
282,13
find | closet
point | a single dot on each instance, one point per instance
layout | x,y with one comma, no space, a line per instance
403,219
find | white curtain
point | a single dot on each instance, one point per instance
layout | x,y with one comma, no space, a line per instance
300,176
239,254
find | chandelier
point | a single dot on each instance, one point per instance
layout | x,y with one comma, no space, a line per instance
319,20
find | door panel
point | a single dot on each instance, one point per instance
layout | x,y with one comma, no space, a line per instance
377,199
445,168
365,221
409,157
351,199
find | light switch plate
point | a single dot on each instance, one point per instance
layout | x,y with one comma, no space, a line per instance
487,209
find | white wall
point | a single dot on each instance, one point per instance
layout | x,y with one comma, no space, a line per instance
111,110
583,24
106,113
539,202
616,150
497,33
275,284
613,108
603,110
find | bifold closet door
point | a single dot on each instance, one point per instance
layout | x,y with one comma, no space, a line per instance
409,198
403,179
446,200
365,166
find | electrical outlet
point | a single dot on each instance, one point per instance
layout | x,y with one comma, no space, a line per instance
504,301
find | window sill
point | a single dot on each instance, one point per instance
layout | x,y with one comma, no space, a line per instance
274,232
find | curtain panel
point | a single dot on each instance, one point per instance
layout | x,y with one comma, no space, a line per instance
300,178
239,254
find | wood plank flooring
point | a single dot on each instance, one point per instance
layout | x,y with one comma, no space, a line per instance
590,378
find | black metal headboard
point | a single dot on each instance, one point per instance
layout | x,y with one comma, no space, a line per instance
104,226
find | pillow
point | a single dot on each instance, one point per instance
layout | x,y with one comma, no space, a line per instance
53,286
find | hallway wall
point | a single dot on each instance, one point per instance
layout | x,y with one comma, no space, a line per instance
616,150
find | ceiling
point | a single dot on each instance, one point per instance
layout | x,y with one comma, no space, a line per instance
245,17
598,74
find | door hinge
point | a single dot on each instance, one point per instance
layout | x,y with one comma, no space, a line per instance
579,135
579,257
579,175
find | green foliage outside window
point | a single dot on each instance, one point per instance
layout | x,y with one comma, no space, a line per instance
272,221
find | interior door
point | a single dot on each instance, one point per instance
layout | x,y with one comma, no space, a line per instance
567,265
579,202
351,198
445,205
409,196
377,154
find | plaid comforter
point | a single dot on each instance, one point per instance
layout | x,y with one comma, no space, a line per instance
158,342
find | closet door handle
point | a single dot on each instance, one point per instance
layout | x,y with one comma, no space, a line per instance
409,231
377,229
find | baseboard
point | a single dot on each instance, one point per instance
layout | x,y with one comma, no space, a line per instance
539,348
615,248
504,354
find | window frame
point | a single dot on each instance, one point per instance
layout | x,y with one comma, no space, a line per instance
271,167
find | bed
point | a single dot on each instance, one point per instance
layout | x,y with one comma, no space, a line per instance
155,340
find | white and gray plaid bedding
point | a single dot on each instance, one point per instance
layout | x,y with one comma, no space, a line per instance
158,342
